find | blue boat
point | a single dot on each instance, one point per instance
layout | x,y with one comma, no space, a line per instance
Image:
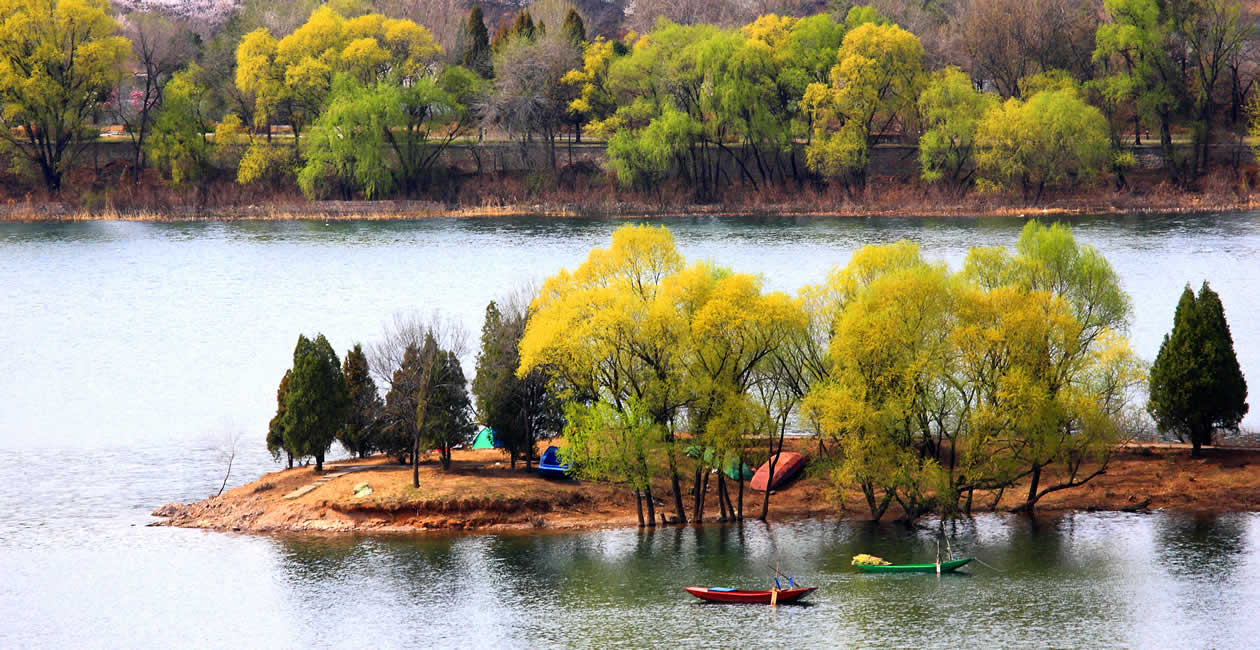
549,465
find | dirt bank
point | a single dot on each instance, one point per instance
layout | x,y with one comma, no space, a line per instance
481,492
595,195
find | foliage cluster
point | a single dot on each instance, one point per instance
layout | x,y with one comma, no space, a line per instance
927,385
707,97
1196,384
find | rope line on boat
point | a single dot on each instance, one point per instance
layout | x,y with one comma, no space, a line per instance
989,565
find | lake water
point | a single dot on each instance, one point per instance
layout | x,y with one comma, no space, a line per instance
128,351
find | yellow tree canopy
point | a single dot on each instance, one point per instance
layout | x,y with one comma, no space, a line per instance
300,67
875,81
58,59
941,382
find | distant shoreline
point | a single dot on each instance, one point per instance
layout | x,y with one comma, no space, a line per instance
337,211
483,494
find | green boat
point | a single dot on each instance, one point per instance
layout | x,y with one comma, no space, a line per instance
947,566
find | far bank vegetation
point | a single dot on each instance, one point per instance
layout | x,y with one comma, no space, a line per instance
692,102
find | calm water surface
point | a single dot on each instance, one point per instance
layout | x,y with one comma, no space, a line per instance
128,351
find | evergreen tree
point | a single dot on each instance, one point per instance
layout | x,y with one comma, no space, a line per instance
475,54
501,36
523,27
1196,385
318,400
520,410
399,417
275,430
1227,400
444,415
573,28
365,405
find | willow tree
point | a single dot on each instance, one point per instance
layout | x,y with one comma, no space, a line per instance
942,384
951,108
874,85
387,137
1084,365
609,331
735,331
293,76
1054,137
58,61
614,445
889,358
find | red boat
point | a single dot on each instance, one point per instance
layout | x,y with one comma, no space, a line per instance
728,595
786,467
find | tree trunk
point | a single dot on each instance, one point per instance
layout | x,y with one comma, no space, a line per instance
696,493
52,178
1032,488
774,459
724,499
676,487
1166,147
415,461
319,462
638,506
704,492
651,504
765,500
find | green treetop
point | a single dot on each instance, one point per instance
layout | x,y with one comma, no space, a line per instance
1196,385
318,400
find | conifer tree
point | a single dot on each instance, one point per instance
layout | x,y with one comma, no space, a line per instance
520,410
444,415
1196,385
318,400
501,36
523,27
476,52
365,405
275,429
573,28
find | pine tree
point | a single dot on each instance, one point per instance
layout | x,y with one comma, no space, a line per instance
398,424
520,410
573,28
476,51
275,429
446,409
1227,399
500,36
318,400
365,404
523,27
1196,385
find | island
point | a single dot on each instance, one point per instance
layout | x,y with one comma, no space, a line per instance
481,493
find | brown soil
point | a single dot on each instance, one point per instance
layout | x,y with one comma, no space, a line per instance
481,492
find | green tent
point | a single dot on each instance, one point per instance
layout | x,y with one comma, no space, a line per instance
485,439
